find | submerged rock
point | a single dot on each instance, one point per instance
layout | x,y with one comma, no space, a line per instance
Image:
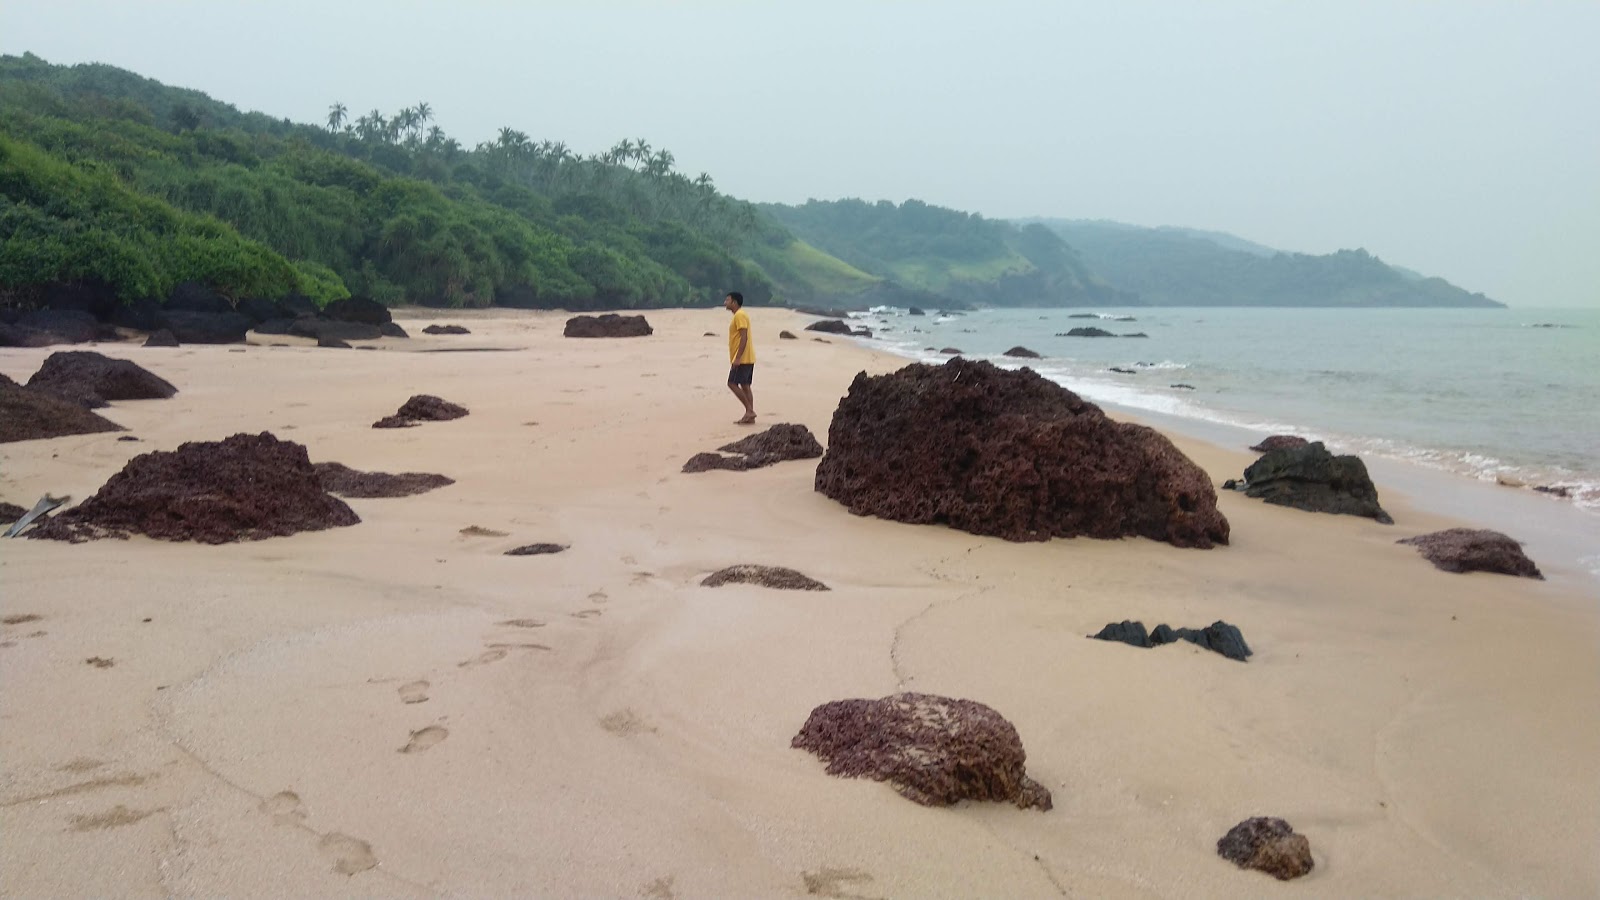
1011,454
609,325
28,415
775,577
1474,550
933,750
1269,845
1022,353
1312,479
92,379
247,487
340,479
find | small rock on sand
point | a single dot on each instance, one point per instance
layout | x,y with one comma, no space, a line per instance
775,577
1269,845
536,549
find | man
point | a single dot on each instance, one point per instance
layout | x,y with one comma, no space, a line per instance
742,356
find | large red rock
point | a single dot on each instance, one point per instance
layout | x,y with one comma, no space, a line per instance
27,415
1474,550
1011,454
91,379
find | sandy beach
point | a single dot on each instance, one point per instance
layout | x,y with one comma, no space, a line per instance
397,709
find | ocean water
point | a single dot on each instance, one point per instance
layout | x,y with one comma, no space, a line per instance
1489,394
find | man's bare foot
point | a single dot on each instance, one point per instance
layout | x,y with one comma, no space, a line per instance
747,420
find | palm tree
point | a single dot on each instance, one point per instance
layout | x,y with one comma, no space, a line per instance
336,116
424,113
436,137
641,149
375,126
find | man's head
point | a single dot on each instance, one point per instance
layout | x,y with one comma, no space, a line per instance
733,301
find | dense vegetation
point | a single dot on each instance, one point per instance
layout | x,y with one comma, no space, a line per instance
955,254
1178,267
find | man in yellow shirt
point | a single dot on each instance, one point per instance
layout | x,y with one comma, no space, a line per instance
742,355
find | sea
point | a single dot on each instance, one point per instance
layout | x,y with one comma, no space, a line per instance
1507,399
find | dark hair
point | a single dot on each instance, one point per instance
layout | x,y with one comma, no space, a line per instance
737,297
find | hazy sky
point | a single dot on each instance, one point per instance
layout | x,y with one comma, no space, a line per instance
1461,139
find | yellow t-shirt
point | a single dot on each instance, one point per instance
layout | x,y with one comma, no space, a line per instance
741,322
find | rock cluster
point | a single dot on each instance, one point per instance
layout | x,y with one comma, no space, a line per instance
422,408
1312,479
92,379
1269,845
344,481
1474,550
777,444
1218,637
28,415
775,577
1011,454
247,487
609,325
933,750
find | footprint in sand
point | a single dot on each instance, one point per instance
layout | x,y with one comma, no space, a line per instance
523,623
285,807
586,613
115,817
20,618
494,654
598,597
349,855
414,692
830,882
626,722
425,738
660,889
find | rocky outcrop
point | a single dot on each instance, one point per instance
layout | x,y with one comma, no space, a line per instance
47,327
1269,845
787,336
779,443
332,343
1474,550
161,338
933,750
195,327
1022,353
951,351
1099,333
422,408
609,325
445,329
1312,479
363,310
775,577
344,481
27,415
92,379
327,329
1218,637
830,326
247,487
1011,454
390,329
1280,442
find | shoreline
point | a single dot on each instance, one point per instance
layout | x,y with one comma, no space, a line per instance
597,723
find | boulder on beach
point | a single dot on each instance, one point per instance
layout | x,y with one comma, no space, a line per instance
330,329
363,310
344,481
830,326
445,329
92,379
390,329
10,512
536,550
1463,550
27,415
1011,454
1022,353
787,336
775,577
422,408
48,327
198,327
1280,442
936,751
1269,845
332,343
1312,479
609,325
161,337
1218,637
396,422
779,443
247,487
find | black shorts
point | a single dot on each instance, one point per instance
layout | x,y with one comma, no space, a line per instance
742,374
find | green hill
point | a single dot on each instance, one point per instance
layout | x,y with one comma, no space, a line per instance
1186,267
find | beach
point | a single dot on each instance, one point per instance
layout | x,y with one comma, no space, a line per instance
596,723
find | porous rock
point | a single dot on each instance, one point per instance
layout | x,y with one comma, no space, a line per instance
445,329
27,415
775,577
1280,442
1022,353
395,422
609,325
422,408
1269,845
933,750
246,487
92,379
1011,454
1312,479
779,443
340,479
1474,550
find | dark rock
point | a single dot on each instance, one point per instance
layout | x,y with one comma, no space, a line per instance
775,577
247,487
709,334
390,329
274,326
445,329
951,351
913,311
317,329
1233,484
27,415
1136,334
10,512
609,325
777,444
92,296
192,296
1182,387
705,462
340,479
787,336
128,437
1126,632
861,333
1123,371
161,338
830,326
257,309
536,549
17,336
140,315
1022,353
1312,479
1084,316
332,343
1474,550
195,327
1087,332
936,751
1269,845
61,326
297,305
357,309
91,379
822,340
395,422
823,313
422,408
1280,442
1011,454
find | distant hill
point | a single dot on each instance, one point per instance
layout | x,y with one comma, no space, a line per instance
948,253
1189,267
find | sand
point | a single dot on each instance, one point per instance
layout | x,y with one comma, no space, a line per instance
397,709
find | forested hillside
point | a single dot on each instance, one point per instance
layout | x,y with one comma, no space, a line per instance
947,252
108,176
1183,267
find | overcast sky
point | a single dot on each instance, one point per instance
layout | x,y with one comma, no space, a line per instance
1461,139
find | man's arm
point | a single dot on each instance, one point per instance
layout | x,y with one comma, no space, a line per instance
744,338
